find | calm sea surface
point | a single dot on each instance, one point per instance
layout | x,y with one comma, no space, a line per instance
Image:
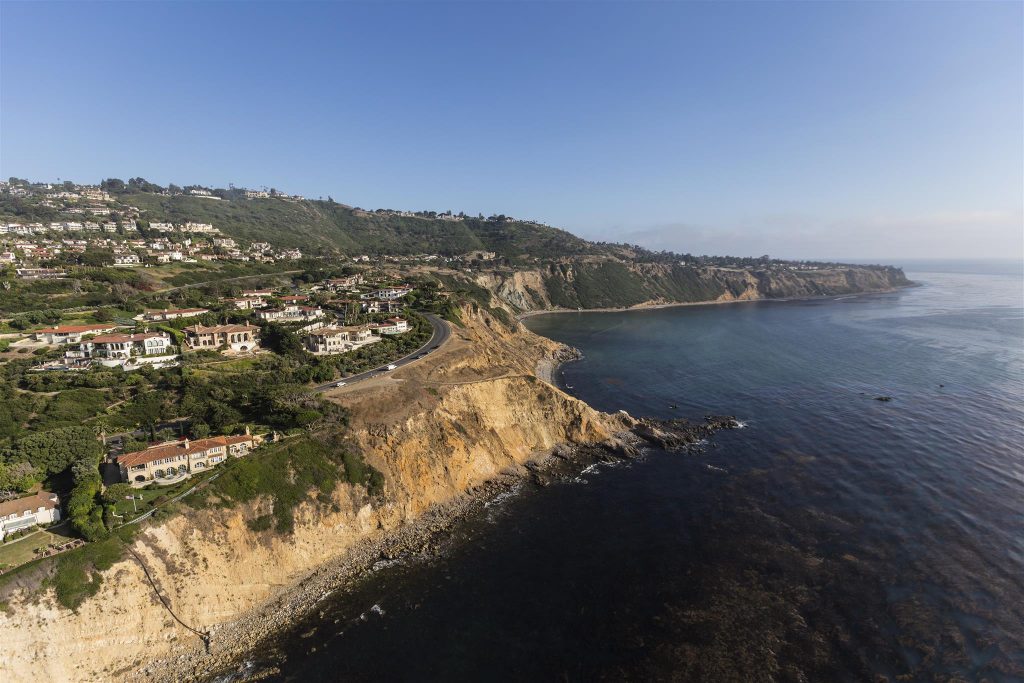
834,538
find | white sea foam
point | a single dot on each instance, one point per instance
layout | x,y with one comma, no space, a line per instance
502,497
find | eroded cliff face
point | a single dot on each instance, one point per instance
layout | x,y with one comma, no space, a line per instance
606,283
437,429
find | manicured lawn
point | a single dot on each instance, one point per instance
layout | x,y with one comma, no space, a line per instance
23,549
165,493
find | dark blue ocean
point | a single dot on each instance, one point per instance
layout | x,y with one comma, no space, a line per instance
834,538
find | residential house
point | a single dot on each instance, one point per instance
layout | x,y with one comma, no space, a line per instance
174,459
227,337
340,284
40,273
144,348
71,334
126,260
198,227
388,293
390,326
378,306
247,303
21,513
290,313
173,314
328,340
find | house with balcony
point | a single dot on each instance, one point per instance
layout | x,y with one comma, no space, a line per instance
126,260
379,306
71,334
174,460
131,351
226,338
247,303
329,340
22,513
390,326
290,313
341,284
172,314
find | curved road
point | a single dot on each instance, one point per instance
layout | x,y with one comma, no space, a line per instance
441,334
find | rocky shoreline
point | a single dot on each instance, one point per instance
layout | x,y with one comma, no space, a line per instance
229,643
546,367
654,306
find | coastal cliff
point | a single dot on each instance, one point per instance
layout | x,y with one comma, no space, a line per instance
439,429
611,283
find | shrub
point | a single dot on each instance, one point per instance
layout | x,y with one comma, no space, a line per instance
261,523
77,574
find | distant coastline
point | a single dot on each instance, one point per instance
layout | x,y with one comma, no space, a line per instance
677,304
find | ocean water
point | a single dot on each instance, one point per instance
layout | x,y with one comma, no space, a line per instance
834,538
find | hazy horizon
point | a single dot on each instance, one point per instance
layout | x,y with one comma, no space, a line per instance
854,131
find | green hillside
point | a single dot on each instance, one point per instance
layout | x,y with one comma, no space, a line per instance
325,225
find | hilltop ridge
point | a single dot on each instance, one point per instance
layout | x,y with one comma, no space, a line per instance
327,227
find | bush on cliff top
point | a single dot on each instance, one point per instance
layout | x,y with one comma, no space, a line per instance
288,473
77,574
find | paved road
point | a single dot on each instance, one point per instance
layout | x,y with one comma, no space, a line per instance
441,334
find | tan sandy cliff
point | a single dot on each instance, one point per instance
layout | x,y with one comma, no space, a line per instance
436,429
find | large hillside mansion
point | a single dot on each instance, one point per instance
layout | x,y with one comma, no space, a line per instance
177,459
236,338
70,334
290,313
338,339
22,513
129,351
171,314
328,340
390,326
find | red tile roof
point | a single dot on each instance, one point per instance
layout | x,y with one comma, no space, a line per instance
125,338
186,447
220,329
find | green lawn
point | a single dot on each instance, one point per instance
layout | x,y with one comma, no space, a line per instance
164,493
23,549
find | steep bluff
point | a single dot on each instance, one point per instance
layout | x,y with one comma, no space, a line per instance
610,283
437,429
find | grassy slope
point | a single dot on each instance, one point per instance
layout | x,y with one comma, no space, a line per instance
312,224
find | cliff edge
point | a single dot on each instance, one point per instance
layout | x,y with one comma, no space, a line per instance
437,429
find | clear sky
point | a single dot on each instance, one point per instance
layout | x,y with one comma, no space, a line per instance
858,130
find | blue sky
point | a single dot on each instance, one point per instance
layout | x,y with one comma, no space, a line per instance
857,130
